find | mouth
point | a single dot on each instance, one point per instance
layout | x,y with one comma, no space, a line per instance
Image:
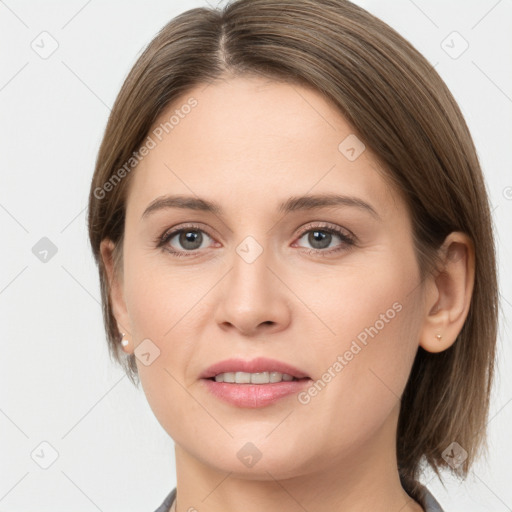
261,370
255,378
252,384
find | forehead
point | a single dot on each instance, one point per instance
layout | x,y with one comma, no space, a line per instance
250,141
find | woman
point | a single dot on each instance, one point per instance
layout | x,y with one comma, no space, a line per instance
296,259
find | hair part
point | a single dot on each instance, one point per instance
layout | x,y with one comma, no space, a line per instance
398,104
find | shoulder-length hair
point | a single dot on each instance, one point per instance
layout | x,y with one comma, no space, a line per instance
398,104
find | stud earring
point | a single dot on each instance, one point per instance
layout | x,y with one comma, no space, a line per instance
124,342
438,336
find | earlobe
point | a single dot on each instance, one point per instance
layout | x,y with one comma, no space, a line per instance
448,296
116,294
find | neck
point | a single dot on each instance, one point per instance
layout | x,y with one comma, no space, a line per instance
365,479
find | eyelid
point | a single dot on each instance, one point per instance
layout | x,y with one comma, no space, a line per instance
188,225
310,225
326,225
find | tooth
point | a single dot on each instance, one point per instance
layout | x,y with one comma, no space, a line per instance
243,378
259,378
275,376
253,378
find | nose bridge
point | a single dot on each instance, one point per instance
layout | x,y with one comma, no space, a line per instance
252,295
250,275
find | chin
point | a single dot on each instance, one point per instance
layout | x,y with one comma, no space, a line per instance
256,460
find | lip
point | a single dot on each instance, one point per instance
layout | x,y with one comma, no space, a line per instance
253,395
260,364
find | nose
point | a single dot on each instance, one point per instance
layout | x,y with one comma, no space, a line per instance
252,298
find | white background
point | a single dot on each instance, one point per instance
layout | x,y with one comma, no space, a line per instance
58,384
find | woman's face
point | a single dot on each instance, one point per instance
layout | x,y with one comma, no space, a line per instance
267,275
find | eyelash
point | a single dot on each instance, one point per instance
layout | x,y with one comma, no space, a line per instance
347,240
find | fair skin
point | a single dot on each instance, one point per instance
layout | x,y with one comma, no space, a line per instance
249,145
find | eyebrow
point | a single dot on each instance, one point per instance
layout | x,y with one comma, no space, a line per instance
296,203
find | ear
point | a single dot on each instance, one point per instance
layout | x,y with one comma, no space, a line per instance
449,292
116,292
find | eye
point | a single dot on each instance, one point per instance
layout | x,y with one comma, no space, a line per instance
322,237
185,240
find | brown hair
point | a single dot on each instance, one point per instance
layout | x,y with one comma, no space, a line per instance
404,112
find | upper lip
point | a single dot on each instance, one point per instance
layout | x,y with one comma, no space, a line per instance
260,364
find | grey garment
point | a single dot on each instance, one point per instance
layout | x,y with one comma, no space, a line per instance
430,504
166,505
427,501
423,497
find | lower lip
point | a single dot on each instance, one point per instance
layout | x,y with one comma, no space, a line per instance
254,395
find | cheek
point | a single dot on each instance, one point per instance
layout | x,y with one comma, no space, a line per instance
360,299
158,306
158,298
164,306
376,366
366,340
